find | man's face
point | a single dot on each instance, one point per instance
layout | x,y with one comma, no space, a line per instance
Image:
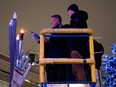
55,21
70,13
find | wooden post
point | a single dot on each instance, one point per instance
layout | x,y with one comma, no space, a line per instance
91,47
42,70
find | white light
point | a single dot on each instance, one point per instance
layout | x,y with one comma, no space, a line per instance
66,85
26,57
14,15
10,23
79,85
22,31
17,38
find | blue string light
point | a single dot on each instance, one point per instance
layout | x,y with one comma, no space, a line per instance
109,65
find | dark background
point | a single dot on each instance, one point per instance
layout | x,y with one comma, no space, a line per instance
34,15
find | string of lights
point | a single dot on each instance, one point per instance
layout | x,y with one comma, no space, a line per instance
109,65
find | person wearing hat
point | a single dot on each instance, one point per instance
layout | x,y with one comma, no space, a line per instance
78,17
77,47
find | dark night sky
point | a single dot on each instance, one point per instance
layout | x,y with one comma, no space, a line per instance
34,15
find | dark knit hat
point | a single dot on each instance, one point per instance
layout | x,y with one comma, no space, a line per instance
73,7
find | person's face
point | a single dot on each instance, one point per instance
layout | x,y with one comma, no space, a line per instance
55,21
70,13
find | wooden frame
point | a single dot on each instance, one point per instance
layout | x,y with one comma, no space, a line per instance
43,61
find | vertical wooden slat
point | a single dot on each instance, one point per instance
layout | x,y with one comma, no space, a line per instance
93,71
42,76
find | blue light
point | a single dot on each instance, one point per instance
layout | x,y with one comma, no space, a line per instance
109,65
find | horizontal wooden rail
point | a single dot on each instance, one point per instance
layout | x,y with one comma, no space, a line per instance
66,61
63,30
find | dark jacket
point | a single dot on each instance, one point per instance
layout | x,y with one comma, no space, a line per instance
56,49
99,50
78,20
56,46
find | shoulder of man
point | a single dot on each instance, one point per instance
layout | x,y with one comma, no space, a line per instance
81,15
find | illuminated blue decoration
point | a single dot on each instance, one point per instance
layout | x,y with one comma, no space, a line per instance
109,65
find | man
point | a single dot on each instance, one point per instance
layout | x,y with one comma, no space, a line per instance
77,47
56,49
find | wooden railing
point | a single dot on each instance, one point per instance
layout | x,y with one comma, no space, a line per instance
43,61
